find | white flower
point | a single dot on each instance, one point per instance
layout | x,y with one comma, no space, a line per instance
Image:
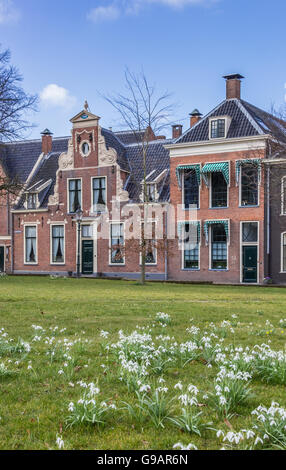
179,386
60,442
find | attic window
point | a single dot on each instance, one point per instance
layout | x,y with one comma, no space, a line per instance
217,128
32,200
151,192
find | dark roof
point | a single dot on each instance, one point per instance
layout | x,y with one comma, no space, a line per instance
130,137
157,159
111,140
46,172
242,124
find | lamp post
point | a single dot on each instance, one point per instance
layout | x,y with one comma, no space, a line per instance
78,220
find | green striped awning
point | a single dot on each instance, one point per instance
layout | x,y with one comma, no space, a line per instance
250,161
190,222
181,168
207,223
222,167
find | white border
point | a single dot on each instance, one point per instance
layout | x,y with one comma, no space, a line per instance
68,194
114,222
30,224
57,224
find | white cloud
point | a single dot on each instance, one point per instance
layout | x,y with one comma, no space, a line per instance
56,96
126,7
109,13
8,12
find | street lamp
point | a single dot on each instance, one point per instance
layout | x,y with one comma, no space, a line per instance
78,218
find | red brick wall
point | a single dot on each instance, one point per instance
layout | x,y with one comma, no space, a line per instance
234,213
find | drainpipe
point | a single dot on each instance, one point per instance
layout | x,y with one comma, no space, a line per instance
268,223
12,244
166,245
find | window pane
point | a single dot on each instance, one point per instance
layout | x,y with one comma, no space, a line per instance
30,244
99,195
250,232
87,231
74,195
219,190
191,189
249,185
57,244
218,128
191,247
117,242
219,247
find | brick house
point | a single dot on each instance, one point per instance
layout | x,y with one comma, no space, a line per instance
208,182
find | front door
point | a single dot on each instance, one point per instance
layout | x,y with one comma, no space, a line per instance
250,264
87,257
2,267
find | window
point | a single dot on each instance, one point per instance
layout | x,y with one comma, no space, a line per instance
99,194
190,189
218,190
117,243
218,247
250,232
283,267
150,241
58,241
32,201
87,231
30,244
249,185
74,195
151,192
217,128
190,247
85,149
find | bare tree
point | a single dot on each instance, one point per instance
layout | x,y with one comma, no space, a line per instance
14,105
145,113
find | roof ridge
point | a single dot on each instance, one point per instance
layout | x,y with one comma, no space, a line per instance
251,119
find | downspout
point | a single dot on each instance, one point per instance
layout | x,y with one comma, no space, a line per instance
12,244
166,245
268,223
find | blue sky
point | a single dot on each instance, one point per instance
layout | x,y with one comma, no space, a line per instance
69,51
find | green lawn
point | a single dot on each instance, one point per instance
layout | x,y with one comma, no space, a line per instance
34,397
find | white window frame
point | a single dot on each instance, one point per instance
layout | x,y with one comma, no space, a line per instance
91,189
68,194
242,244
227,120
140,254
183,194
210,249
5,254
51,243
110,244
199,260
210,186
30,263
240,193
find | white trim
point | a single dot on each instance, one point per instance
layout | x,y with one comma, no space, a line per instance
283,212
114,222
94,238
30,224
227,121
210,248
68,194
207,147
242,244
5,238
57,224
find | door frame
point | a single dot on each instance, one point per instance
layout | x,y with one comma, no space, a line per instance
242,244
94,238
4,258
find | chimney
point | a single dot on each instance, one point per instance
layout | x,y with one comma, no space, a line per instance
233,86
196,116
47,141
177,131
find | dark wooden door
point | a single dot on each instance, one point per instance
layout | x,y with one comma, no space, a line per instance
87,257
250,264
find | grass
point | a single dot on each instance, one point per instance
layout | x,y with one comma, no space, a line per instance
34,397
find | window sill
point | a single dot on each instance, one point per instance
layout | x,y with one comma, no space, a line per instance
191,209
219,270
245,207
57,264
224,207
190,269
31,264
116,264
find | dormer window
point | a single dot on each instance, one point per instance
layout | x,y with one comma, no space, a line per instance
219,127
151,192
32,200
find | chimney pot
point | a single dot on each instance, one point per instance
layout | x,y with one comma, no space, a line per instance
177,131
233,86
47,141
196,116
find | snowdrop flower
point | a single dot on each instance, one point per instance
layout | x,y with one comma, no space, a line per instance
60,442
60,372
